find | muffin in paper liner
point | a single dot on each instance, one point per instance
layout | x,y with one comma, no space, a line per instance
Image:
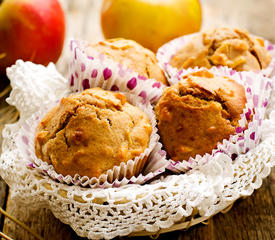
86,71
30,102
209,189
129,172
248,133
168,50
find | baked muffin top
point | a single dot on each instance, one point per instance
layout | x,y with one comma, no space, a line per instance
133,55
198,113
234,48
91,132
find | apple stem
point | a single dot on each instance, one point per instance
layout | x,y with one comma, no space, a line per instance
2,55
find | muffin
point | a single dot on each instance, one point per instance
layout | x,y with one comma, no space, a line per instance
91,132
197,113
133,55
234,48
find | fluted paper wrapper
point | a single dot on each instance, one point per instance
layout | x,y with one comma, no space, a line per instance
125,173
88,71
248,133
168,50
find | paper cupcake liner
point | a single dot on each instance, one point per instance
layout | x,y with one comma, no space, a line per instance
248,133
89,68
271,104
157,161
168,50
125,173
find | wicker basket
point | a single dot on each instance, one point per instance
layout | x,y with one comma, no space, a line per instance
167,204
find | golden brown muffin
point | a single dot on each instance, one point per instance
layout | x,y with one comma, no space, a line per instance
133,55
227,47
91,132
198,113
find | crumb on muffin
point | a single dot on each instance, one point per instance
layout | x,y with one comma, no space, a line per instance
197,113
234,48
91,132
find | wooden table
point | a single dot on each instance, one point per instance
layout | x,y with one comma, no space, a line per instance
250,218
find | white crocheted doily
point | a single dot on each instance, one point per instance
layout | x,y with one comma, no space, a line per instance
107,213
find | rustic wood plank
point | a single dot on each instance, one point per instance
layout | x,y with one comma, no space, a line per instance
3,198
3,186
250,218
40,221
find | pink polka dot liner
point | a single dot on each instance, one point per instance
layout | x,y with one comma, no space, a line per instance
99,71
248,134
89,68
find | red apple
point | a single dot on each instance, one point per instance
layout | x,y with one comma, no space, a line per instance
32,30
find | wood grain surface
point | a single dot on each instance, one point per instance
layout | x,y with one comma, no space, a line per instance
249,219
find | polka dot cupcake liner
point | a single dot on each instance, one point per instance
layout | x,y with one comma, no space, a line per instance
126,173
92,69
89,68
168,50
248,133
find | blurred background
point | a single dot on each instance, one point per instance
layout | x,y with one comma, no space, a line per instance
83,19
